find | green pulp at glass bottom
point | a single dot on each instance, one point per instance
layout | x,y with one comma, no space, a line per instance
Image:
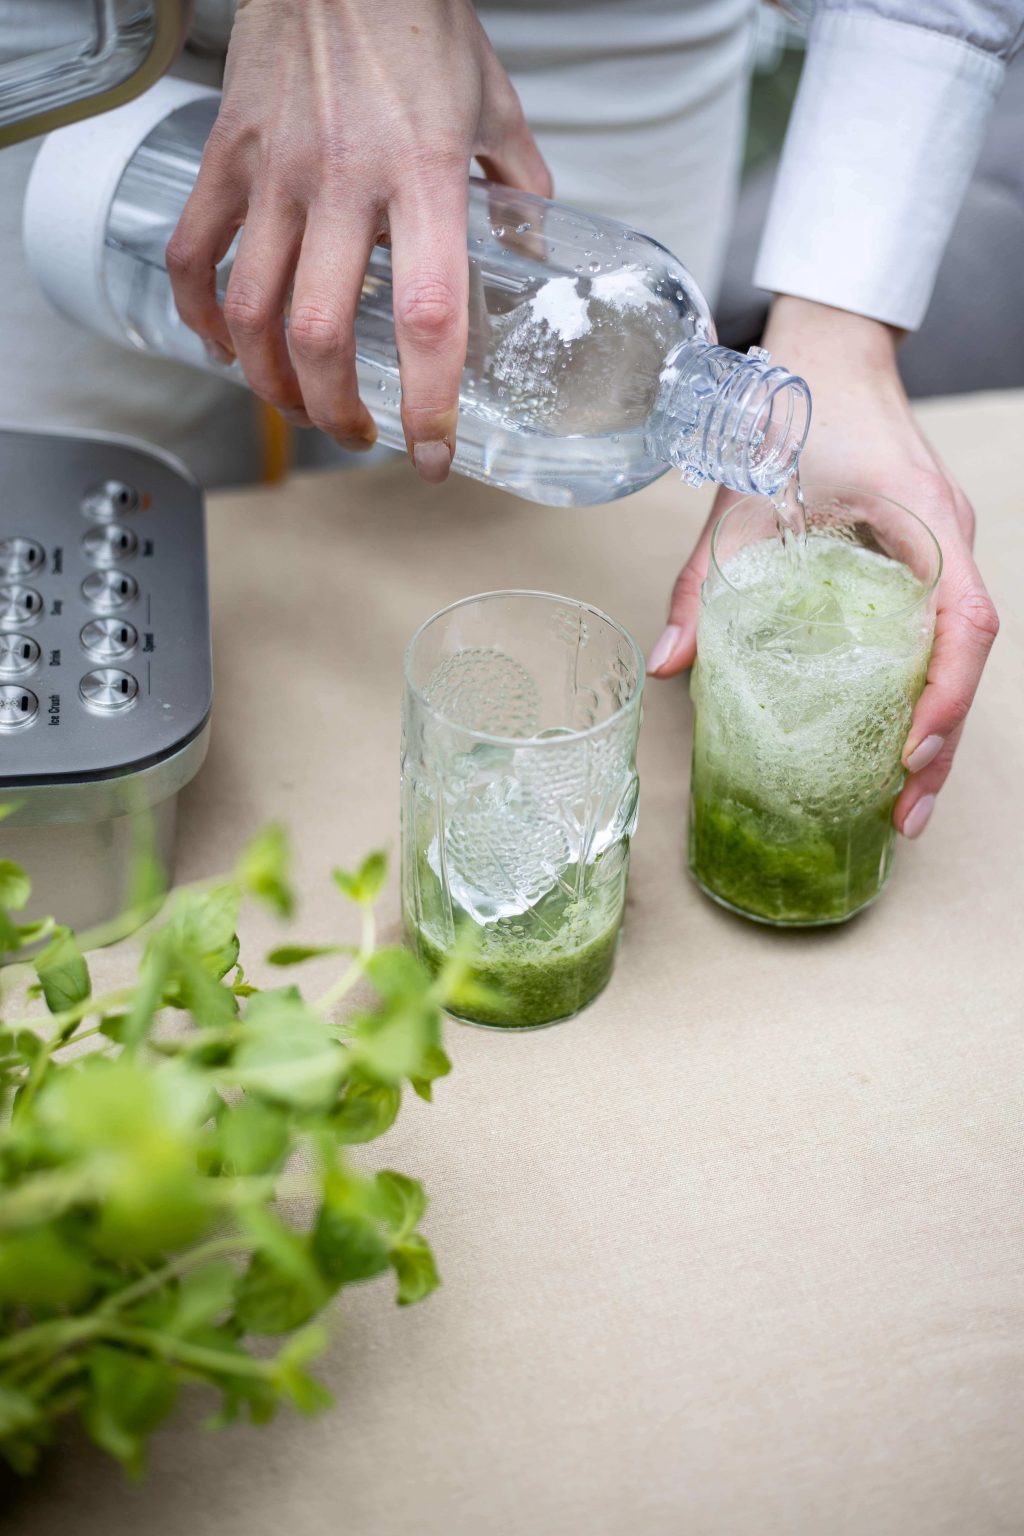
535,984
801,871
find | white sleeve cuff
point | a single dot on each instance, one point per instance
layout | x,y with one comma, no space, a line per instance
884,135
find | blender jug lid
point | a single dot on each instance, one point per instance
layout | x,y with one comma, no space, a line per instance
70,190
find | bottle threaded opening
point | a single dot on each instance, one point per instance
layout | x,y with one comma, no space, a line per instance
756,427
733,418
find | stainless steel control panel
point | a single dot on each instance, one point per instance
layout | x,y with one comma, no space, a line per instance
104,613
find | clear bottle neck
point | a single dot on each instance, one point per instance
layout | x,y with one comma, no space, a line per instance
728,417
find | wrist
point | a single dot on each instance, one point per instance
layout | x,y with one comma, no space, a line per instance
799,329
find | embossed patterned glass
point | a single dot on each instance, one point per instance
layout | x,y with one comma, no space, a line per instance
519,798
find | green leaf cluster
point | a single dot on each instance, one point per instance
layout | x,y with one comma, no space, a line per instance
174,1180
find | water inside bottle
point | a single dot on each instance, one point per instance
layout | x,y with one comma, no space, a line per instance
572,322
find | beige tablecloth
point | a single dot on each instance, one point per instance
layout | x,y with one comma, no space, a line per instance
738,1251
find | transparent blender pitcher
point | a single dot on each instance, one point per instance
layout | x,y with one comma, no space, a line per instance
77,57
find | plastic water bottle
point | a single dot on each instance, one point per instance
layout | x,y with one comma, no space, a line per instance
592,363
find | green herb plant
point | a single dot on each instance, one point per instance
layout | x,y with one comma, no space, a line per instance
177,1188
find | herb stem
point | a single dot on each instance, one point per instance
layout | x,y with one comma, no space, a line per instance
66,1334
191,1259
106,1003
245,1189
201,1040
352,972
62,1406
83,1034
57,1335
197,1355
143,912
31,1088
57,1371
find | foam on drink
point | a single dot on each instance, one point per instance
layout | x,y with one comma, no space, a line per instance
806,680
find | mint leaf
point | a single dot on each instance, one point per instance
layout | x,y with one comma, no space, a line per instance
264,867
40,1271
203,926
203,1298
22,1429
11,938
153,975
253,1136
194,987
28,1045
268,1302
290,1377
130,1396
401,1202
62,971
365,1111
347,1241
295,954
434,1064
205,921
390,1045
368,881
397,975
288,1054
15,886
414,1265
410,1020
282,1287
131,1133
257,1396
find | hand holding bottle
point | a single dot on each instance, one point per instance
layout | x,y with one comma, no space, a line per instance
864,434
344,122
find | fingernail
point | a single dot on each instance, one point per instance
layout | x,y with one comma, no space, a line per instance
297,418
357,444
665,648
217,353
924,753
918,817
433,461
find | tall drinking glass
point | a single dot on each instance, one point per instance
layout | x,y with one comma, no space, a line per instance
809,665
519,798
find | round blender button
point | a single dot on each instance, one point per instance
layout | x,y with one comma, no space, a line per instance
108,690
108,543
17,707
19,605
109,500
109,639
18,654
20,556
109,591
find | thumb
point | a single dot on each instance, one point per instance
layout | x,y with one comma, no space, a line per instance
677,646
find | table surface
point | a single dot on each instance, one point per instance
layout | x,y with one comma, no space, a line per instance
736,1251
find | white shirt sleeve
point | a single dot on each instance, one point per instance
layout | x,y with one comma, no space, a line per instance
886,128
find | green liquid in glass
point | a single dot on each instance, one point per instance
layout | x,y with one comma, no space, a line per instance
803,697
534,988
542,965
799,870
